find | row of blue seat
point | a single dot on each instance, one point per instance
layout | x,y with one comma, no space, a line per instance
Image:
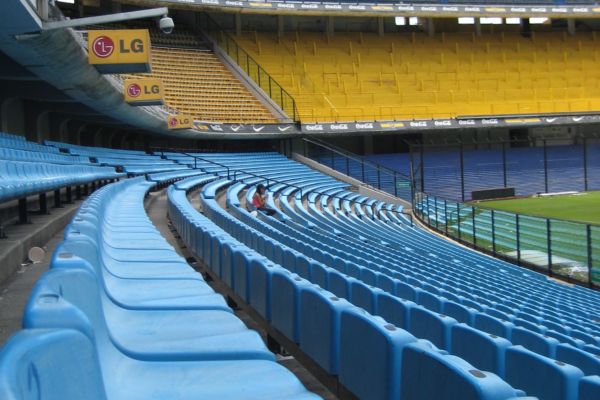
521,335
144,323
21,179
340,337
335,242
41,156
426,324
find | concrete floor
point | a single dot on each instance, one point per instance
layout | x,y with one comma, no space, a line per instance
15,292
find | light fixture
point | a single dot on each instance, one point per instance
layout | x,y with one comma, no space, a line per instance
466,20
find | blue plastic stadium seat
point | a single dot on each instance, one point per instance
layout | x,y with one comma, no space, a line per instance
587,362
533,341
394,309
483,350
321,308
423,366
42,364
145,334
589,388
493,325
370,341
428,325
552,380
459,312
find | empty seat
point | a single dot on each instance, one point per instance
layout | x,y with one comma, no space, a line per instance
552,380
422,366
483,350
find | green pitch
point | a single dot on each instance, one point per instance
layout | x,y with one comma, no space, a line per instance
583,207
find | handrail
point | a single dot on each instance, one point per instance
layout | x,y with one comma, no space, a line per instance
355,157
251,67
396,176
422,210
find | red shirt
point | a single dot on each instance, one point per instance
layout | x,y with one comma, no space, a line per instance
257,200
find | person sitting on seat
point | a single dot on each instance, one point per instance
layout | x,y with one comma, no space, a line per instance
259,200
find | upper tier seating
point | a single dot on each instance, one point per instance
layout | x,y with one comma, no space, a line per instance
197,83
359,250
362,76
144,323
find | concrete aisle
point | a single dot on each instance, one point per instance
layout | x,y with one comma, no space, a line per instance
156,207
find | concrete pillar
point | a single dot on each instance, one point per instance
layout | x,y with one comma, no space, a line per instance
380,26
477,27
280,26
430,27
571,26
330,26
43,126
63,133
238,24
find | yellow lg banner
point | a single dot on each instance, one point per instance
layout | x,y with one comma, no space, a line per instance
180,121
119,51
146,92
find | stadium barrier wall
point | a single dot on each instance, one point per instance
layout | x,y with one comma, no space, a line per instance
564,249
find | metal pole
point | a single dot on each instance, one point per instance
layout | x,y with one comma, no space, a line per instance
437,221
585,171
549,244
395,184
458,219
518,232
545,167
446,216
473,222
378,178
462,173
589,253
493,233
362,165
504,169
422,169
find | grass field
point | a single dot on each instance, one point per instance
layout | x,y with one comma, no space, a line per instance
583,207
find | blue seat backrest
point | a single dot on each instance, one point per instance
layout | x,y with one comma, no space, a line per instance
428,325
50,364
552,380
67,298
493,325
483,350
428,373
533,341
367,340
589,388
321,308
587,362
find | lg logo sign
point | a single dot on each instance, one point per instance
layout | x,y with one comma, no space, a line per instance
173,121
103,46
134,90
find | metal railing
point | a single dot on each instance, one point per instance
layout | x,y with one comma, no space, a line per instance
257,73
371,173
235,173
565,249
